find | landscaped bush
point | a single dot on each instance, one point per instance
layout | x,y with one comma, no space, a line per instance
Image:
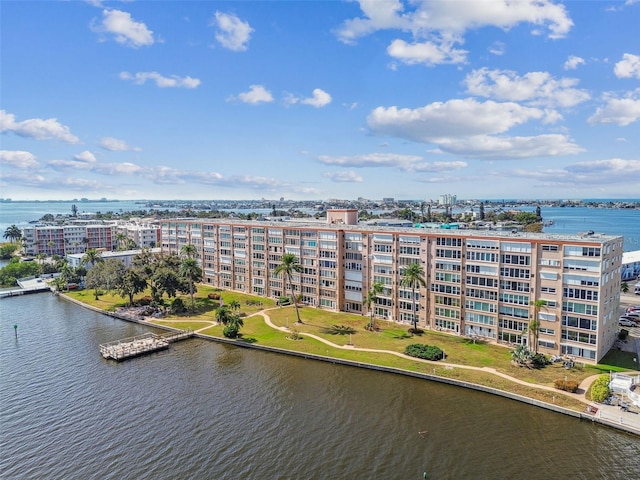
214,296
600,389
540,360
566,385
230,332
284,301
623,334
144,301
178,306
426,352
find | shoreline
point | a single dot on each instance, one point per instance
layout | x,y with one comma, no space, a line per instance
631,427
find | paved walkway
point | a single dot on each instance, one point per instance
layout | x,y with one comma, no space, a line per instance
608,412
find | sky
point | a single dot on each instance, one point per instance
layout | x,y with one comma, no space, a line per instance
317,100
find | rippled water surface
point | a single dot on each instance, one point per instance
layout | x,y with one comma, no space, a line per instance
202,410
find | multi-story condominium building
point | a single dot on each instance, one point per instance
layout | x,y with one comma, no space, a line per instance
81,235
478,283
66,239
143,235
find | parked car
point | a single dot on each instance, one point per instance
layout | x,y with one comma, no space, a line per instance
635,320
626,323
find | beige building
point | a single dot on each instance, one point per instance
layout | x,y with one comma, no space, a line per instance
479,284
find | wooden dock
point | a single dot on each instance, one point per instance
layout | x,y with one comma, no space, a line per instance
141,345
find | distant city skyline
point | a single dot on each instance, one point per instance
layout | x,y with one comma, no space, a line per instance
198,100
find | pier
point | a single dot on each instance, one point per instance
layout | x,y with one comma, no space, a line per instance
141,345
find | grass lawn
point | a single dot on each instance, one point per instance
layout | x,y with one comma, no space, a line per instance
343,328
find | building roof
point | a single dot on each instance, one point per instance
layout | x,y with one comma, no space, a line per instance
590,237
631,257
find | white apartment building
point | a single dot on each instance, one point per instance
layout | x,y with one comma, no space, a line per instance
478,283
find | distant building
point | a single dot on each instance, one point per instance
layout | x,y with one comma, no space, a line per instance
447,200
630,265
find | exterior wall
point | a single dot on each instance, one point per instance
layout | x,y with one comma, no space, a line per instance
65,239
479,283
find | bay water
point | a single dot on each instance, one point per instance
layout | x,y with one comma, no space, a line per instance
204,410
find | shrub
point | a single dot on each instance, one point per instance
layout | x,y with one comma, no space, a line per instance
178,306
540,360
600,389
230,331
623,334
566,385
214,296
144,301
426,352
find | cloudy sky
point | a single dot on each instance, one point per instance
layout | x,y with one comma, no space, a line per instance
409,99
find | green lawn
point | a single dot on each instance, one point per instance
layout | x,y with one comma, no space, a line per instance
342,328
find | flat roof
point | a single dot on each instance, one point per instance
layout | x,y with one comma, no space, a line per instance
497,234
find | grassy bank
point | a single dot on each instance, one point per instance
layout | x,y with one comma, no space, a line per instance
342,329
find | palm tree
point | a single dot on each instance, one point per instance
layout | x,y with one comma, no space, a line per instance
223,314
13,233
370,301
290,265
624,286
414,277
120,240
92,256
190,270
234,304
534,323
189,251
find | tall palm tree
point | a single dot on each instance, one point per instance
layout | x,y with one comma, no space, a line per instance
223,314
534,323
92,256
120,240
13,234
190,270
414,277
189,251
290,265
370,301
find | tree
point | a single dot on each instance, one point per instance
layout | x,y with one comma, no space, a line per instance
92,257
13,234
121,238
233,325
74,210
189,251
370,302
223,314
132,282
290,265
235,305
624,286
414,277
534,323
191,272
481,214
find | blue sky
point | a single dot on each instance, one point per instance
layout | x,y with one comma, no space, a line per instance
484,99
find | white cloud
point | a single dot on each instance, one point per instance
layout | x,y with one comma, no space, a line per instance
468,127
348,176
508,148
573,62
319,99
124,29
37,128
18,159
116,145
498,48
86,157
407,163
621,111
628,67
586,174
232,33
256,94
427,53
454,118
535,88
173,81
436,25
